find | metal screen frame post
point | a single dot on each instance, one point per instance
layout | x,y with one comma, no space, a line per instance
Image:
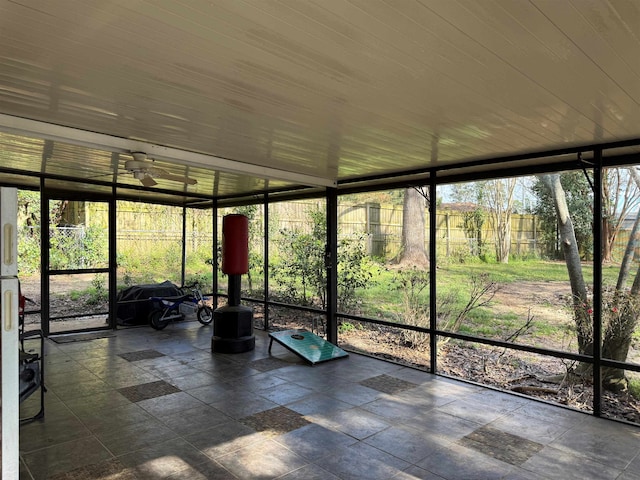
45,311
265,262
113,261
331,264
183,267
214,254
433,318
597,283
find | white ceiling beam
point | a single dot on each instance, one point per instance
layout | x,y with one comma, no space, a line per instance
100,141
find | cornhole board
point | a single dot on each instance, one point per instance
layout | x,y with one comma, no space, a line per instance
307,345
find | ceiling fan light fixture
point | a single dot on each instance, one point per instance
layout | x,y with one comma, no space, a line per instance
144,170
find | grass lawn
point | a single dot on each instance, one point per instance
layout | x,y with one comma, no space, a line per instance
551,321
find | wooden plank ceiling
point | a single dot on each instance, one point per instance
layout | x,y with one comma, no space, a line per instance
325,89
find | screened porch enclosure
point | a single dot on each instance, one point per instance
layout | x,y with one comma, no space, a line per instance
442,189
463,313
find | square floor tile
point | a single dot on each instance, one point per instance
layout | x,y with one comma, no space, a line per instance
146,391
109,470
194,420
224,439
211,470
263,460
267,364
318,404
65,457
123,439
406,443
355,422
162,459
558,464
285,393
387,384
141,355
501,445
315,441
309,472
361,461
242,404
456,461
50,432
164,405
275,421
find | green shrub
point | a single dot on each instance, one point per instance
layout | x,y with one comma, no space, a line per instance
299,266
345,327
98,292
634,388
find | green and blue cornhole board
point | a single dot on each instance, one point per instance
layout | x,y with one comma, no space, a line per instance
307,345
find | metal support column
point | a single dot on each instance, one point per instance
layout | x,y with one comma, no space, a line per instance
433,314
597,283
184,246
331,264
113,262
45,311
265,262
214,254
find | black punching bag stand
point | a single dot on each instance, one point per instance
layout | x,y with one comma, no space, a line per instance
233,323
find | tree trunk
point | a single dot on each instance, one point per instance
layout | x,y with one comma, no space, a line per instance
608,237
629,253
569,247
620,309
503,240
632,244
500,199
413,230
616,341
623,313
621,318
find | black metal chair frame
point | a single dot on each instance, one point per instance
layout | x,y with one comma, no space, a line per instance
26,358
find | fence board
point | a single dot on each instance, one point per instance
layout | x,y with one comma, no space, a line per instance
382,224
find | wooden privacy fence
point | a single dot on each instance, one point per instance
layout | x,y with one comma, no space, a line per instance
382,227
379,225
142,226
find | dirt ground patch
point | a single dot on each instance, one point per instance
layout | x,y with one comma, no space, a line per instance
546,300
66,299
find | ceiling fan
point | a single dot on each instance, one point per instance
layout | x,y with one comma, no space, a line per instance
145,170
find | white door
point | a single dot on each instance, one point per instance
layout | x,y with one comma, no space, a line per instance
9,390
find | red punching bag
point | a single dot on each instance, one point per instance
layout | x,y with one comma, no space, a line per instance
235,244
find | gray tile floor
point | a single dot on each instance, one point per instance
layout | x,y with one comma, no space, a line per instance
146,404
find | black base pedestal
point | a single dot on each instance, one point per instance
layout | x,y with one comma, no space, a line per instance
233,329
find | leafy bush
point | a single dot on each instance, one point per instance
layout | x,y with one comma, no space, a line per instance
300,271
345,327
77,247
634,387
98,292
200,280
413,286
29,249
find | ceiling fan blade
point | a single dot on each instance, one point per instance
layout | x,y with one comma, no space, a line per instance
159,173
145,171
147,181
